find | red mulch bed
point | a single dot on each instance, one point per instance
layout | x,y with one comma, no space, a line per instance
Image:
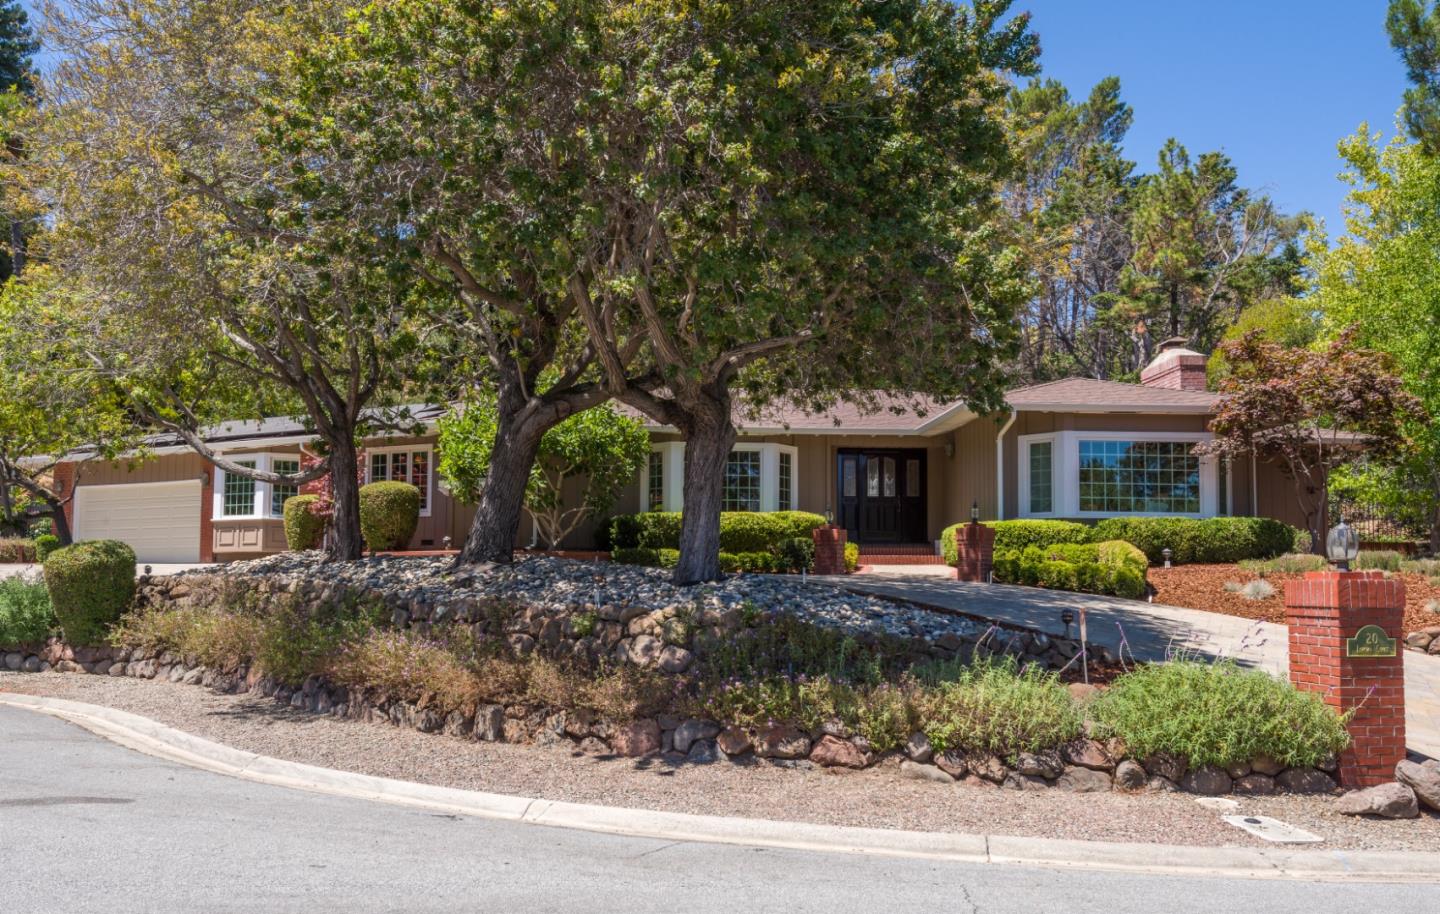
1203,587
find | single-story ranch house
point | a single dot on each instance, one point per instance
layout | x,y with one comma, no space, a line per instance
1076,448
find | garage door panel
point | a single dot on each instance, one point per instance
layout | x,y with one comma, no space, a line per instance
160,521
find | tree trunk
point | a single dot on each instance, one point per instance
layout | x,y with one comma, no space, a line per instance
709,435
61,524
497,519
345,544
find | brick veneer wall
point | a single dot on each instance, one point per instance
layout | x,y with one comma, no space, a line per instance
829,549
65,476
975,552
1323,610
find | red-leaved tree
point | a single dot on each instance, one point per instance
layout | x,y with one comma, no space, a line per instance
1308,411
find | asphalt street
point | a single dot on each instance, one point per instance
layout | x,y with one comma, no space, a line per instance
86,825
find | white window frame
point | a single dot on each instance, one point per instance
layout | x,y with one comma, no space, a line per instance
264,463
427,449
1065,467
673,475
1023,476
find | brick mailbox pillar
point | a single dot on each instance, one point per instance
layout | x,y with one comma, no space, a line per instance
1345,631
829,549
974,552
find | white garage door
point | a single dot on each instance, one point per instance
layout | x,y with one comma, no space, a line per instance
160,520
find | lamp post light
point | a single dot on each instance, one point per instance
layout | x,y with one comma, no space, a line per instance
1342,546
975,512
1166,553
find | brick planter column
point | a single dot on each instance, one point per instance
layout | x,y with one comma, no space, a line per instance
975,552
1345,631
829,549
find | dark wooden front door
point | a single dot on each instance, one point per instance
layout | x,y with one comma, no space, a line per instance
882,495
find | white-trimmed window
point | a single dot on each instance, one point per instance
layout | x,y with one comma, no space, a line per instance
242,498
758,477
1037,477
1104,474
410,463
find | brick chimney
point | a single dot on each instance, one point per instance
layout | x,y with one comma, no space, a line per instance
1176,367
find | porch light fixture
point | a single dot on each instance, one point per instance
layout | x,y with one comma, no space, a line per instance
829,517
1342,546
975,512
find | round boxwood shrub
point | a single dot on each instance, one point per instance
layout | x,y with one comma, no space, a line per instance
45,544
303,527
91,584
389,513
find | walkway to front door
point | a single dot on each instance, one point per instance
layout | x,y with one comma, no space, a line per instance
882,495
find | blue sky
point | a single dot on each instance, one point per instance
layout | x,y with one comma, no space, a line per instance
1272,83
1275,84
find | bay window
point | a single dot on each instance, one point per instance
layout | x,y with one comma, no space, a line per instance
1099,474
240,497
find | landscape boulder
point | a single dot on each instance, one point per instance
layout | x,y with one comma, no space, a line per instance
1387,801
1424,779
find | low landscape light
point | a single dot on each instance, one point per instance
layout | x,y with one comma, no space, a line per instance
1166,553
1342,546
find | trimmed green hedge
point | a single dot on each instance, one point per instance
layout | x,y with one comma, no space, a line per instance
1114,567
1211,540
91,584
389,513
1020,534
304,529
643,555
740,531
45,544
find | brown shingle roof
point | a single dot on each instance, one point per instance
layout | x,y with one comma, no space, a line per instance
1088,395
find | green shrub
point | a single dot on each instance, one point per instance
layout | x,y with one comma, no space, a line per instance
1378,560
796,553
41,526
91,584
993,706
1211,540
45,544
1112,567
1290,563
625,530
1217,714
25,613
740,531
640,555
852,557
1019,534
17,551
389,513
303,527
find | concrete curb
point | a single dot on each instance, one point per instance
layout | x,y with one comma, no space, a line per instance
152,738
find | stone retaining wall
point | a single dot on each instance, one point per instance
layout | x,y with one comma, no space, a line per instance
1083,766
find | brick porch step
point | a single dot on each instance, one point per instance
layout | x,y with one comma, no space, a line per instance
897,549
881,558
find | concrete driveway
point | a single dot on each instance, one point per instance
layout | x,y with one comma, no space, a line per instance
33,570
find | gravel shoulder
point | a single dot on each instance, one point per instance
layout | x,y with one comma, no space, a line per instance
877,798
